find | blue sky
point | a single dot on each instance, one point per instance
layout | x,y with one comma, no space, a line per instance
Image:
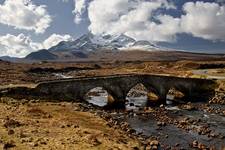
63,21
173,23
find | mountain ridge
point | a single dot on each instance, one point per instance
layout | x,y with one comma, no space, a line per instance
88,43
91,47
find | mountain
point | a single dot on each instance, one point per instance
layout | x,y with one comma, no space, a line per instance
84,43
122,41
41,55
89,42
91,47
113,41
64,45
87,45
10,59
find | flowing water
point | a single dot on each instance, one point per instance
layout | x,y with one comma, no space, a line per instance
99,99
62,76
170,134
148,127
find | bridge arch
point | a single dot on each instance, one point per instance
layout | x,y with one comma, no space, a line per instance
137,90
98,96
136,96
143,95
179,91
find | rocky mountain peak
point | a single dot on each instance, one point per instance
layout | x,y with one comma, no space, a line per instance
87,43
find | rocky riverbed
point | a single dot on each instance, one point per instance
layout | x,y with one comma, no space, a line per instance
181,126
174,128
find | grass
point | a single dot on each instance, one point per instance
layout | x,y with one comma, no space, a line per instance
59,126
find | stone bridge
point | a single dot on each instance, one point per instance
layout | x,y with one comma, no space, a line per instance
118,86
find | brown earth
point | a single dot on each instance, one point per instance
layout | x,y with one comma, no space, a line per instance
45,125
20,73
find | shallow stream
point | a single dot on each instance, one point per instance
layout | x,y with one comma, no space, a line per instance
170,135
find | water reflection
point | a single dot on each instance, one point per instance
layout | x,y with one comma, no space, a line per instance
135,103
137,98
98,96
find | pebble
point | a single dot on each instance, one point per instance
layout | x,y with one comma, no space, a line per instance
10,132
161,106
188,106
195,144
201,146
161,123
27,140
11,123
153,145
8,145
34,144
154,142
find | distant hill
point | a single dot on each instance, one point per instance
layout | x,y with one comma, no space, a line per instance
130,55
10,59
41,55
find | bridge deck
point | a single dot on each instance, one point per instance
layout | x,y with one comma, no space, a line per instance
118,76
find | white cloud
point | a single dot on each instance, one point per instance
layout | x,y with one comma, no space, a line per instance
23,14
21,45
204,20
141,19
54,39
79,9
133,18
17,46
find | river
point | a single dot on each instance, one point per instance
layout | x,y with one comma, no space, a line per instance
170,135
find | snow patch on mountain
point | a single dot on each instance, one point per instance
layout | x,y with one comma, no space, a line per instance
144,45
90,42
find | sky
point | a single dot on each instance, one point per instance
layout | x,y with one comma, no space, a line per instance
30,25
